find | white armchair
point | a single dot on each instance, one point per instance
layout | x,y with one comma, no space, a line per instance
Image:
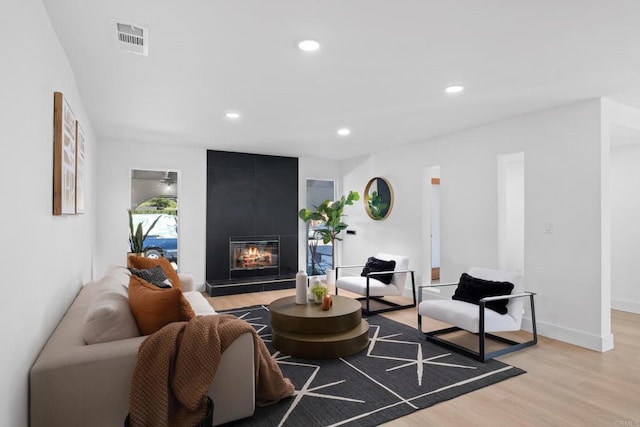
371,288
479,319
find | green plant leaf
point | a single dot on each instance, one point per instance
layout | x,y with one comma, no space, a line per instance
304,214
331,214
319,291
136,237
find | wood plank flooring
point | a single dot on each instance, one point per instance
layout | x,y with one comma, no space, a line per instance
564,385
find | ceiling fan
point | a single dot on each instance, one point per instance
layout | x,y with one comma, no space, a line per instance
170,178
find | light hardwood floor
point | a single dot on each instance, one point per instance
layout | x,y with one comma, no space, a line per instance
564,385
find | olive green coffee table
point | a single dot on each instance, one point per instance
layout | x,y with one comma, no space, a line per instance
305,331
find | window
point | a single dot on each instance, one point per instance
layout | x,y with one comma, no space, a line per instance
319,255
154,196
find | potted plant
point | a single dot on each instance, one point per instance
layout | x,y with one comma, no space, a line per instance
319,291
331,216
136,236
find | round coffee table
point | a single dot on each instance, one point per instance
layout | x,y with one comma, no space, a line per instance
304,330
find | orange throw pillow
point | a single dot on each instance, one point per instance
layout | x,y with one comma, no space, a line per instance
142,263
154,307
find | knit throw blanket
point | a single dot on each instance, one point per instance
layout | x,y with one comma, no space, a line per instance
177,364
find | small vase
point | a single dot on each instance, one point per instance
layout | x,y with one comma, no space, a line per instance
327,302
301,287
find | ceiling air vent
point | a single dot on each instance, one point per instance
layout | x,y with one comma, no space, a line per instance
133,38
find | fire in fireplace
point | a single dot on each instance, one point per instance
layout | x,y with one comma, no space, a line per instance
249,255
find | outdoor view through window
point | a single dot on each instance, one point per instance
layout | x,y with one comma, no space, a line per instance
319,255
154,195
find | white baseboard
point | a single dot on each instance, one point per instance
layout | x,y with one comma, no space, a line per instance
571,336
624,305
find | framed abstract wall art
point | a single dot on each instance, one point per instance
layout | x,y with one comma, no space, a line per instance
80,168
64,157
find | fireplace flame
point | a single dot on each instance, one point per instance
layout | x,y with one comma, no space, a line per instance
253,257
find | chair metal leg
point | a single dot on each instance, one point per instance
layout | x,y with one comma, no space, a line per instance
413,288
533,320
481,354
389,305
368,310
481,335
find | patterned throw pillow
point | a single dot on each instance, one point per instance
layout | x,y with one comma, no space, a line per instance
144,263
154,275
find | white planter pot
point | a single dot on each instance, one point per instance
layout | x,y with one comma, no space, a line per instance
331,277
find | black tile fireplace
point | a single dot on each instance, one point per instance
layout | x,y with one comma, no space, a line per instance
252,222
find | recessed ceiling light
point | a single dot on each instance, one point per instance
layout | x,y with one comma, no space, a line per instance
344,131
309,45
454,89
232,115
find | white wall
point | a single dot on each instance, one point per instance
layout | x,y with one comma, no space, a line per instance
114,170
395,234
45,258
511,212
116,160
625,228
562,185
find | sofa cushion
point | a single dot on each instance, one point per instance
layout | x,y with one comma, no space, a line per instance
117,280
154,275
472,289
142,263
466,316
154,307
198,303
358,285
118,273
109,317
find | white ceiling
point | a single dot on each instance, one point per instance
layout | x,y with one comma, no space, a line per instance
381,69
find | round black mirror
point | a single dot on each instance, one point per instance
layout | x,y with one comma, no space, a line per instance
378,198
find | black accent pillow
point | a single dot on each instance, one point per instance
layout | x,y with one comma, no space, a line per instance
471,289
154,275
375,265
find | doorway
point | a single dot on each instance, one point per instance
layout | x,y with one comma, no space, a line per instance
154,204
319,254
435,229
511,212
624,154
431,223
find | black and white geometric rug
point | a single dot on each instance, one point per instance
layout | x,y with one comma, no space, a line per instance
397,374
